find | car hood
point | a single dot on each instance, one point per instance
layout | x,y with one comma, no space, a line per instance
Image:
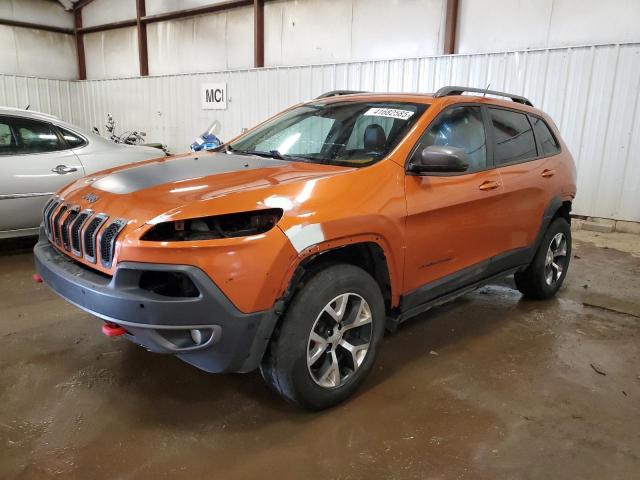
196,185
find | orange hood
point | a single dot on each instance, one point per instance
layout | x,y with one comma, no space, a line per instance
195,185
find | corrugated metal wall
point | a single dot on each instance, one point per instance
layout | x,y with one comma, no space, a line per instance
591,92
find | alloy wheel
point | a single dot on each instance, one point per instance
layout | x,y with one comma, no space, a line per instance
339,340
556,259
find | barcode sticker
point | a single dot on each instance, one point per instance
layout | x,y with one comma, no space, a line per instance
390,113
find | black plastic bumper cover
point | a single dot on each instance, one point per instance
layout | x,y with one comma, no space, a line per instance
238,339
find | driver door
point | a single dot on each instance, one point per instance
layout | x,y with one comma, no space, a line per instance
454,220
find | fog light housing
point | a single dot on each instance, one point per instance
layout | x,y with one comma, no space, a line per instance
196,336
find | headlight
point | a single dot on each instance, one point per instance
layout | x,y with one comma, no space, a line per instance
219,226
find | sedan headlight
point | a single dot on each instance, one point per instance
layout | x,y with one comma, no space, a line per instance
230,225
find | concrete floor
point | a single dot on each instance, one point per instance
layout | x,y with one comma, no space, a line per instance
490,386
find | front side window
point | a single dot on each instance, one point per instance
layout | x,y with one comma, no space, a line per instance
343,133
546,139
460,127
35,137
513,136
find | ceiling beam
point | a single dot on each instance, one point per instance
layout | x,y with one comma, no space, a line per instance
258,33
36,26
82,3
192,12
143,53
450,27
108,26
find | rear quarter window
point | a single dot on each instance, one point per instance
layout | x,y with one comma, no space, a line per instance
546,139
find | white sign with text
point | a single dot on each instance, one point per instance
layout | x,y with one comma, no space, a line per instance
214,96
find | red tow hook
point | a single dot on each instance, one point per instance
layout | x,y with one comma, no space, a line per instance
112,329
37,278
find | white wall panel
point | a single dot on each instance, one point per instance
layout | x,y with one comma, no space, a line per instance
50,96
310,31
113,53
218,41
43,12
396,28
100,12
25,51
592,93
499,25
321,31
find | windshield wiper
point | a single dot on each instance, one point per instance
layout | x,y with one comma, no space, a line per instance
271,154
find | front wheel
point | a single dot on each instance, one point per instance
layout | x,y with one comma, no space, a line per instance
546,273
328,339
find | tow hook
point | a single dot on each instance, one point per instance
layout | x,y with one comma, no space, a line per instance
37,278
112,329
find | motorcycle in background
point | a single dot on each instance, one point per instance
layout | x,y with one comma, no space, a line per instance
130,137
208,140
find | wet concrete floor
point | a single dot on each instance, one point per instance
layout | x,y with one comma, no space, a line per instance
489,386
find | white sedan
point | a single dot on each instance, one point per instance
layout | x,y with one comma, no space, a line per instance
39,154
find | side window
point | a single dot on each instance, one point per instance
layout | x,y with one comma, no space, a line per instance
35,137
8,144
460,127
514,136
548,142
73,140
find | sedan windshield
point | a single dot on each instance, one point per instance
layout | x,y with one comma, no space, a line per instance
344,133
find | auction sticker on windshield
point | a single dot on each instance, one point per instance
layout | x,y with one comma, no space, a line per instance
389,112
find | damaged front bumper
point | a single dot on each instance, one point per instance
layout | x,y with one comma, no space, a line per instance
204,329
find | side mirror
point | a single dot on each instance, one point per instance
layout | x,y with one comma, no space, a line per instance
439,159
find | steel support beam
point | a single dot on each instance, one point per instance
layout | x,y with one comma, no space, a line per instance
192,12
82,3
82,66
143,53
450,27
258,33
108,26
37,26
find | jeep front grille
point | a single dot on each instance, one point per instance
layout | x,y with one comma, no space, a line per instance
79,231
108,241
90,235
76,226
64,229
56,237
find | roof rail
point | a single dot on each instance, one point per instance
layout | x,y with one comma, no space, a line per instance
453,90
337,93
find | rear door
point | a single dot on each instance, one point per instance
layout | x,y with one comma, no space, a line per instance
527,168
35,162
455,221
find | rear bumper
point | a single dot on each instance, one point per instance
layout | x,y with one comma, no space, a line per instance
232,341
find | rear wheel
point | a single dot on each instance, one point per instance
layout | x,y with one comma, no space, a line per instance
328,339
546,273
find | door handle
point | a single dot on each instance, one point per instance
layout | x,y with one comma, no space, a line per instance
546,173
63,169
489,185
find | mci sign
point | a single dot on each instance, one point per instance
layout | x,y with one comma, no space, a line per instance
214,96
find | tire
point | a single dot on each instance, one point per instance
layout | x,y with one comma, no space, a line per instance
302,368
546,273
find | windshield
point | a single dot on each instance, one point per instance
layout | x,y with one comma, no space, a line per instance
344,133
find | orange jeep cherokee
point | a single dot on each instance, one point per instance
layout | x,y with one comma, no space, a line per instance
290,248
